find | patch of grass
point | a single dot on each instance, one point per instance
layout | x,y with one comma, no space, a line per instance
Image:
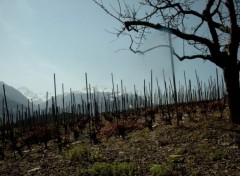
125,169
180,151
159,170
97,156
218,155
142,133
107,169
101,169
83,153
173,159
78,153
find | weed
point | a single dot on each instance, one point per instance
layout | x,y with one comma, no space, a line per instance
77,153
180,151
115,169
97,156
125,169
175,159
101,169
218,155
159,170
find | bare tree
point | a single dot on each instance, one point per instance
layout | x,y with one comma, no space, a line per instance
211,28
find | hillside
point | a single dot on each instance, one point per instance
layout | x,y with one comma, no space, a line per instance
203,146
14,97
31,95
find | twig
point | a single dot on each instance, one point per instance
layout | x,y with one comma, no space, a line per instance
23,157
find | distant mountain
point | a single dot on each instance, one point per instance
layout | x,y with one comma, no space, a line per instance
31,95
14,97
78,96
98,88
22,95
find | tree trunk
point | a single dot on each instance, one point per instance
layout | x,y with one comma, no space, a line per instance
231,76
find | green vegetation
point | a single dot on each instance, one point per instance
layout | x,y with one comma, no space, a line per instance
78,153
83,153
142,133
97,156
159,170
218,154
125,169
100,169
180,151
173,159
115,169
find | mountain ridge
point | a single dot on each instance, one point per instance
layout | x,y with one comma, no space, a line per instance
32,96
13,96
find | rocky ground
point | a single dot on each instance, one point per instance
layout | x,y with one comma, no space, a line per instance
204,146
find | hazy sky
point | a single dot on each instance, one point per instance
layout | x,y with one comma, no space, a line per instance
68,37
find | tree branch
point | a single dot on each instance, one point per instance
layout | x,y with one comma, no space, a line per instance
129,26
220,16
181,58
177,5
235,36
107,11
198,56
216,10
210,23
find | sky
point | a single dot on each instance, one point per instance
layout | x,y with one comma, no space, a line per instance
71,38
